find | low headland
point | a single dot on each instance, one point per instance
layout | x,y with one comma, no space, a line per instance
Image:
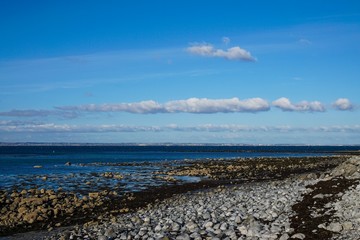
247,198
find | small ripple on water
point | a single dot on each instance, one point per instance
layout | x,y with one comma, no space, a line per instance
86,178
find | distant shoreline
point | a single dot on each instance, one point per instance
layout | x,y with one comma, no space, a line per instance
170,144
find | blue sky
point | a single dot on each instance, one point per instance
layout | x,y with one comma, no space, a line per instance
256,72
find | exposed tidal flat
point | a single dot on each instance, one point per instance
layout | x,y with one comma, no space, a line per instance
243,198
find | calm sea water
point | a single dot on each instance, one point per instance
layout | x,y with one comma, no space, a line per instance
136,162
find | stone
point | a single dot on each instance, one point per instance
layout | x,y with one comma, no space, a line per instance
298,236
319,196
347,225
208,224
275,229
147,220
30,217
322,225
206,216
285,236
243,230
223,226
191,226
52,197
334,227
94,195
22,210
175,227
158,228
110,233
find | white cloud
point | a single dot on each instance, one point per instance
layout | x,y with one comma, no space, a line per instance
234,53
286,105
204,105
191,105
201,49
343,104
137,107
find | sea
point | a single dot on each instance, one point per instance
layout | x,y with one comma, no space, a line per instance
81,168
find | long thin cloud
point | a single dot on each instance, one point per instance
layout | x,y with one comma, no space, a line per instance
33,127
28,113
233,53
286,105
191,105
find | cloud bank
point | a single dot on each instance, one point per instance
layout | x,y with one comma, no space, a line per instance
233,53
28,113
191,105
36,127
286,105
343,104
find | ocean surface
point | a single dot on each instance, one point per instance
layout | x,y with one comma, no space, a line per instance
136,163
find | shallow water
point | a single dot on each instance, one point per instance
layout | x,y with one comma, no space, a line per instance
137,164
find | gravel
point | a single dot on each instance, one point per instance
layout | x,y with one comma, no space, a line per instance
258,210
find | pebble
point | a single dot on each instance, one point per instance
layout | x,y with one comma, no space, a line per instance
285,236
110,233
298,236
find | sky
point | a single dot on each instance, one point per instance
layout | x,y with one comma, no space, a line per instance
237,72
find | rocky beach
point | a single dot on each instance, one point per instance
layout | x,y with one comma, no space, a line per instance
249,198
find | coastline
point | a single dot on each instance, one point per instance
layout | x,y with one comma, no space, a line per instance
257,172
